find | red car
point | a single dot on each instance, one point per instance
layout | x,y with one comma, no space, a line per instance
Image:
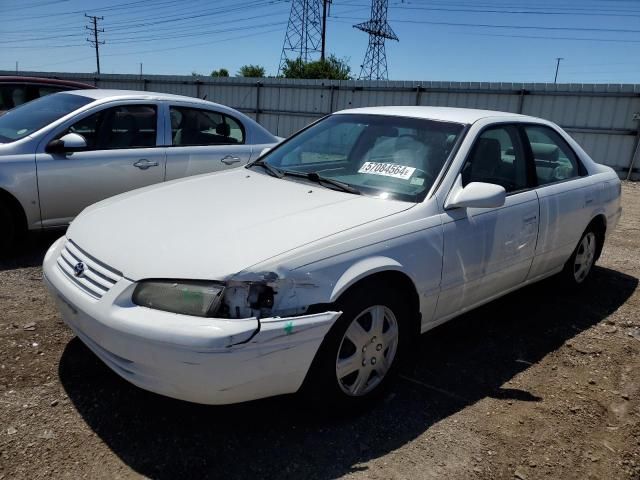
16,90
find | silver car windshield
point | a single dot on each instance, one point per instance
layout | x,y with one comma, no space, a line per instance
32,116
386,156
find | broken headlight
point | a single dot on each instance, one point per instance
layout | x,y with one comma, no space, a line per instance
200,298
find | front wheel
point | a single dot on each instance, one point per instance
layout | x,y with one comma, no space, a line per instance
9,230
360,355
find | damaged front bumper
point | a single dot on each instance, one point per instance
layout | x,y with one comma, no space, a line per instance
203,360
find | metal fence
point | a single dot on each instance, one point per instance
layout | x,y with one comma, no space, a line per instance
604,119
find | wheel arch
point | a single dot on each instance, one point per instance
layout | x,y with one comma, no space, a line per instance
599,224
379,269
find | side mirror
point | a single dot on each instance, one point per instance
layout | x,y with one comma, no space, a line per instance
477,195
71,142
264,151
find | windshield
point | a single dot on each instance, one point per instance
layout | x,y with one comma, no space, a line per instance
390,157
32,116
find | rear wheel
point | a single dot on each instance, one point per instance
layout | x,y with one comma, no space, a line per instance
360,355
578,268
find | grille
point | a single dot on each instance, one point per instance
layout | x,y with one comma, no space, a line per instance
96,278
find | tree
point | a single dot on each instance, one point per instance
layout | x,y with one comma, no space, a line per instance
253,71
332,68
223,72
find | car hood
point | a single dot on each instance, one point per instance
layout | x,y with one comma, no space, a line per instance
212,226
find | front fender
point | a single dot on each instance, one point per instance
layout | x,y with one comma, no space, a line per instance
361,269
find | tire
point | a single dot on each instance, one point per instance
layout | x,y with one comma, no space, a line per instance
577,270
360,355
9,230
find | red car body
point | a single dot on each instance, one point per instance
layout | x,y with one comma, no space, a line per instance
15,90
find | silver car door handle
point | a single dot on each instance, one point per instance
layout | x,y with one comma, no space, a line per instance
143,164
229,159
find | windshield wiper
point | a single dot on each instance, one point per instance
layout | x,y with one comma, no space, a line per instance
273,171
314,177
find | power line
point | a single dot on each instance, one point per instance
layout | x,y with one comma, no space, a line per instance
95,42
502,26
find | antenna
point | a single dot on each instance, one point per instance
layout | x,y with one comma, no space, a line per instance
374,66
303,39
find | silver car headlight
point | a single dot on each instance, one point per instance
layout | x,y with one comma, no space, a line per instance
187,297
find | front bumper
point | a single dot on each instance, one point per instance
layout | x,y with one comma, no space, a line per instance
203,360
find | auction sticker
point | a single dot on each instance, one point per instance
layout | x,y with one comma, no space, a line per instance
387,170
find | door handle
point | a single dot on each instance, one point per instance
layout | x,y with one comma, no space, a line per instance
229,159
144,163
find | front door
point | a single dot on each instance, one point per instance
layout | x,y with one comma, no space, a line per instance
204,141
487,251
121,155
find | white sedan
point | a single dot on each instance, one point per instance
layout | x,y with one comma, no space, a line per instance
316,266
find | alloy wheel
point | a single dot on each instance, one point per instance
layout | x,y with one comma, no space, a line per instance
367,350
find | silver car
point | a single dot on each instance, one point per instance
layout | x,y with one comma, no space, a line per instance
63,152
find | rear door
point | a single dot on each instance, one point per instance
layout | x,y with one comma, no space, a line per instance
567,197
122,154
488,251
204,140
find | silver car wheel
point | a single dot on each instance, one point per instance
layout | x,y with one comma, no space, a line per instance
367,350
585,257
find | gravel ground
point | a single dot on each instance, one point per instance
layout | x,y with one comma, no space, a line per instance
539,384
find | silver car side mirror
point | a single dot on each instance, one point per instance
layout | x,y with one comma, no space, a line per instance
264,151
71,142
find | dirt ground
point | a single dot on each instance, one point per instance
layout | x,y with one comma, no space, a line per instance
539,384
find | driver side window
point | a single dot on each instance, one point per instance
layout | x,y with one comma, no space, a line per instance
497,157
126,126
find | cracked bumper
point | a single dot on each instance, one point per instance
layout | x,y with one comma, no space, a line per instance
203,360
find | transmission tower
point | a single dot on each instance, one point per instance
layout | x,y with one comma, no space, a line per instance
303,39
374,66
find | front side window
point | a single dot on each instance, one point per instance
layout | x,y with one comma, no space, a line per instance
554,159
32,116
391,157
125,126
497,157
193,127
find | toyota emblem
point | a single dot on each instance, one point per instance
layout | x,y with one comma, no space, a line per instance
78,269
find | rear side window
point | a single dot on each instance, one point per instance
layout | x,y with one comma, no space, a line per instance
126,126
554,160
497,157
194,127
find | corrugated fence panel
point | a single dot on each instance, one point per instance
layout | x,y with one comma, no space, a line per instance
599,116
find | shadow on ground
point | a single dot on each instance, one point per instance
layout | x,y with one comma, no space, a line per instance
458,364
31,252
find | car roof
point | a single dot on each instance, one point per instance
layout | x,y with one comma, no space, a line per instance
43,81
104,93
447,114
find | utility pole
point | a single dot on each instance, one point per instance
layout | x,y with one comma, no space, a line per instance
325,6
95,43
16,66
558,60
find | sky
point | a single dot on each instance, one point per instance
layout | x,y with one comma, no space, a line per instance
439,40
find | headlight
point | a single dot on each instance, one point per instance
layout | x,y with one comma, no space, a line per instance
200,298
